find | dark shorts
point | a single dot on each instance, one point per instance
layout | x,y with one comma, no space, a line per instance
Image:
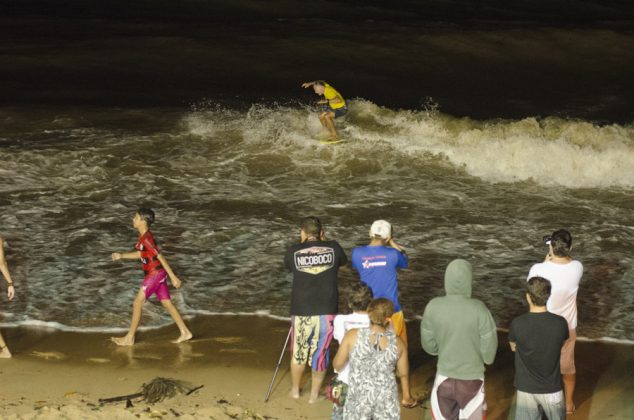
339,112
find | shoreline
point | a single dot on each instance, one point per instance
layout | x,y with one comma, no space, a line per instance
63,374
54,326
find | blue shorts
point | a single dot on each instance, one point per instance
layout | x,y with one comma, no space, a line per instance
339,112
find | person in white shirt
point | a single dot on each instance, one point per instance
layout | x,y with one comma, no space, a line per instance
564,274
358,301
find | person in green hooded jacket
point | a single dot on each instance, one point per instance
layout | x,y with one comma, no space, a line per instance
461,332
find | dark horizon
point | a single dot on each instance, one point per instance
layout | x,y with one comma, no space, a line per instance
477,59
402,11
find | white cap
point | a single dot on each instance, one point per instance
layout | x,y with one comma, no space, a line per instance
381,228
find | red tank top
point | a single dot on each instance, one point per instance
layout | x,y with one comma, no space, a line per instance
149,250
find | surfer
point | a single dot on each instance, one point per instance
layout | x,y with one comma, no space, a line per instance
4,268
335,105
156,271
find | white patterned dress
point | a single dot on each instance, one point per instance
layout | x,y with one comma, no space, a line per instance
372,392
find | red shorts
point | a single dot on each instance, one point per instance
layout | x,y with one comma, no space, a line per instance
156,283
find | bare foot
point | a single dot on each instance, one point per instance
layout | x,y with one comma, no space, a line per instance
184,337
294,394
409,402
313,399
5,353
123,341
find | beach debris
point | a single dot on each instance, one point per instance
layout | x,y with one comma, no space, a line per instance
235,411
191,391
156,390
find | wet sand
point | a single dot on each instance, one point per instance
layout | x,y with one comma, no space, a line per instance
57,374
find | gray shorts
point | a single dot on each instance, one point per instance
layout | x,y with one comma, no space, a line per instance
532,406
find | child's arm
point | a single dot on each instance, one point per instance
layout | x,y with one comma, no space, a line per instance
175,280
4,268
134,255
341,358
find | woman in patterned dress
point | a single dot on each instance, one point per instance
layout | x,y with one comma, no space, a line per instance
373,353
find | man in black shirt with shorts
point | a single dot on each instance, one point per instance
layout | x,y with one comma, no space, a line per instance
315,264
536,338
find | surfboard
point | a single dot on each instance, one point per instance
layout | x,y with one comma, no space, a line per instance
336,141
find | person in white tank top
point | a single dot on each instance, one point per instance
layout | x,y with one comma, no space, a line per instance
564,274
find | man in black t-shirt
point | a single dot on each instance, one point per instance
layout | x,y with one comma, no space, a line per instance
536,338
315,264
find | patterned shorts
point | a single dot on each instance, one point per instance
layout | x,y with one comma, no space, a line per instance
311,337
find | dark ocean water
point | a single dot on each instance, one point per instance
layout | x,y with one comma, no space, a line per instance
480,59
475,128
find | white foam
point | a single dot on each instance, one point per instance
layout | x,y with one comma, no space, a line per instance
551,151
57,326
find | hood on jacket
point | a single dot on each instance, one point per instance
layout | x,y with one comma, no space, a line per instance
458,277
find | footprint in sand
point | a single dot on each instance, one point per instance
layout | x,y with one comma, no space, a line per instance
49,355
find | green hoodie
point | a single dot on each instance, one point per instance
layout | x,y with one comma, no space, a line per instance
459,329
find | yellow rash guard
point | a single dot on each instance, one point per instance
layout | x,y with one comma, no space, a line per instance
330,93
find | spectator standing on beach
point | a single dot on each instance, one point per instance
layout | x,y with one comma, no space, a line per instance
373,353
4,268
461,332
537,338
335,105
156,271
315,264
564,274
377,264
358,300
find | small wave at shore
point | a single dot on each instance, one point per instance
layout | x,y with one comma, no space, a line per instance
56,326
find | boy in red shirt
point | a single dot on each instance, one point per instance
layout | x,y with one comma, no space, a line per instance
156,271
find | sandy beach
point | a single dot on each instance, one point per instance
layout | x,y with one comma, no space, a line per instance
56,374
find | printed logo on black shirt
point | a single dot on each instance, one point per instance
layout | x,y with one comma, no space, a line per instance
314,260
